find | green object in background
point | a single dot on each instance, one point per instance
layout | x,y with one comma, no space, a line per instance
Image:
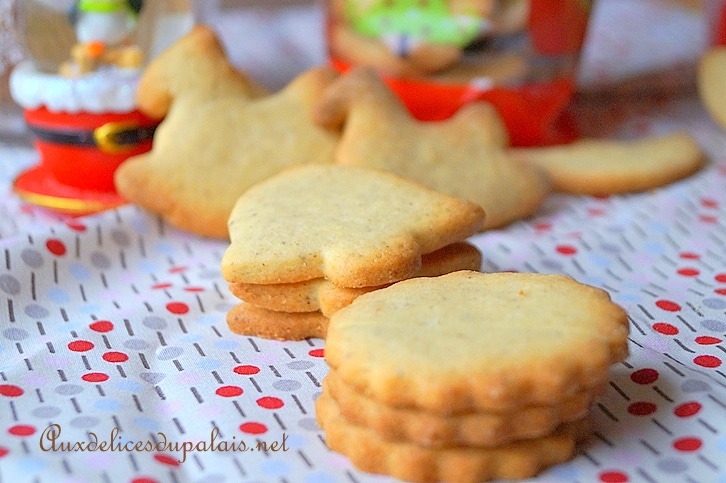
430,22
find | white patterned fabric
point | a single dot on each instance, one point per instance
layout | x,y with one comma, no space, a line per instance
112,327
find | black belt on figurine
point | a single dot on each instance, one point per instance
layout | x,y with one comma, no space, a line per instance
112,137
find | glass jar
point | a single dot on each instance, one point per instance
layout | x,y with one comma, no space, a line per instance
77,88
437,55
716,12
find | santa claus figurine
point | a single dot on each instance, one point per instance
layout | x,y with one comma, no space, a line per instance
104,30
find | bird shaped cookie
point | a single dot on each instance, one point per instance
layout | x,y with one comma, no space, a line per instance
218,137
463,156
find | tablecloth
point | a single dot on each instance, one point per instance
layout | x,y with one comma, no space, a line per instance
116,364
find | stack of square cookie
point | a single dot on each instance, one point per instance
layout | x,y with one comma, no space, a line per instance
468,377
310,240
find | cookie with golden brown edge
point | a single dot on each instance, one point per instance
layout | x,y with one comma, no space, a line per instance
208,151
481,428
463,156
320,294
712,83
356,227
607,166
196,64
470,341
371,452
247,319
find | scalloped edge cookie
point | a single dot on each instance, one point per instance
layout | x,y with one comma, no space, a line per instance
470,341
466,429
370,452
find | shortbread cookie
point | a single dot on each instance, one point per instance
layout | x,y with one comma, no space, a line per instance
470,341
321,294
712,83
207,152
247,319
603,167
462,156
368,451
353,226
195,63
467,429
286,297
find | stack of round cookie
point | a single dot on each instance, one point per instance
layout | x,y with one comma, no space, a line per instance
468,377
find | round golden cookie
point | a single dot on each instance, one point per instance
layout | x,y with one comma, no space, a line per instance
470,341
484,429
610,166
368,451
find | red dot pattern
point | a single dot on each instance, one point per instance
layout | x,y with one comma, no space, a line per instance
229,391
162,286
75,225
688,444
115,356
613,477
253,428
665,328
95,377
566,250
166,459
101,326
270,402
644,376
178,308
80,345
707,340
688,272
707,361
317,353
56,247
668,305
127,352
22,430
10,390
642,408
246,370
688,409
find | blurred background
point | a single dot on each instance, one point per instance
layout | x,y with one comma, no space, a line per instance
637,48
